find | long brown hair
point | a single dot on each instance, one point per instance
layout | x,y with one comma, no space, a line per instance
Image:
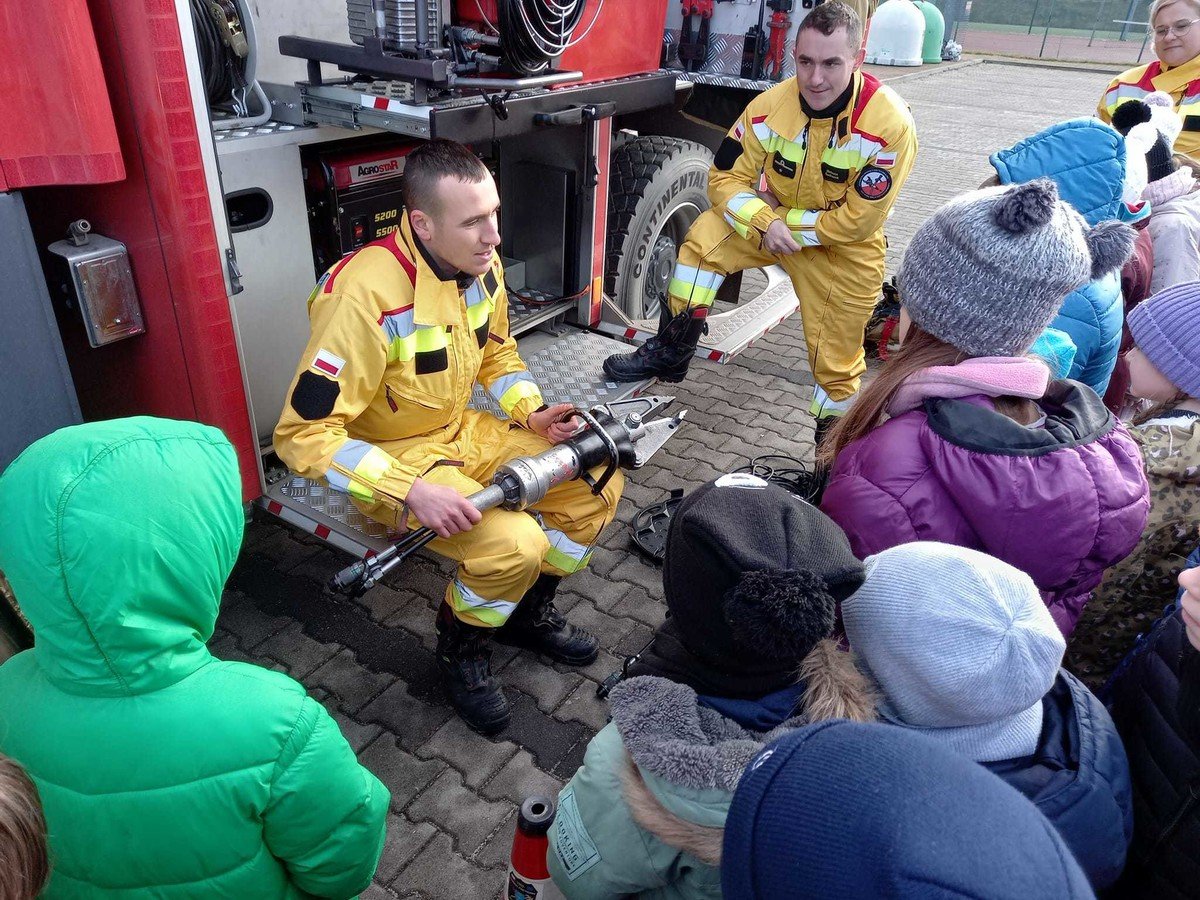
24,862
919,350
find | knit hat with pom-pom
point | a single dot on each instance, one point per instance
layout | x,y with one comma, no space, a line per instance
752,577
988,271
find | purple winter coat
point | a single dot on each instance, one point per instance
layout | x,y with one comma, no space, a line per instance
1061,502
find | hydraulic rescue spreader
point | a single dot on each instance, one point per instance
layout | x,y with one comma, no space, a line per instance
613,435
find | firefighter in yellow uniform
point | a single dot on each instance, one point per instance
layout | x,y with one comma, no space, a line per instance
806,184
1175,25
402,330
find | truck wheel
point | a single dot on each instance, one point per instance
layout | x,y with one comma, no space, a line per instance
658,186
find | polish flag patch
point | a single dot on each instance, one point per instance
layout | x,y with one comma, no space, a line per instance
885,160
329,363
738,131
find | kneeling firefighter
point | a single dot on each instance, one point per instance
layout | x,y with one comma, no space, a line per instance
805,179
401,331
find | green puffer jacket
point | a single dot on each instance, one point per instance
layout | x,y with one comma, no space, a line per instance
164,772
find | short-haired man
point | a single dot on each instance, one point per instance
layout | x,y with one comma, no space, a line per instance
1175,25
402,329
805,179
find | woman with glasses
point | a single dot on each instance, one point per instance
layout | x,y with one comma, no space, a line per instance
1176,28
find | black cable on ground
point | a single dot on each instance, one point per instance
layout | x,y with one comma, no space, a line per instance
789,473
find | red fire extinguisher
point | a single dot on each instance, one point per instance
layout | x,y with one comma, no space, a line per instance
528,876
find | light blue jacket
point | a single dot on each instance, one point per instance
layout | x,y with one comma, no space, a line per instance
1086,160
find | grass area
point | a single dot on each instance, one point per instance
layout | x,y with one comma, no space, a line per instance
1134,35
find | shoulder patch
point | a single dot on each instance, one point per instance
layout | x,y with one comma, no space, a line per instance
314,396
873,183
727,154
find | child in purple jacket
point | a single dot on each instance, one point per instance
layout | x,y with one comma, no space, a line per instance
962,438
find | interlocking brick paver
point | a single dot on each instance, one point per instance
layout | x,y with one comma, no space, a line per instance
299,653
357,734
402,773
439,873
582,705
604,665
646,608
475,757
456,810
548,739
405,839
521,778
635,571
351,683
246,622
548,687
413,721
602,592
608,629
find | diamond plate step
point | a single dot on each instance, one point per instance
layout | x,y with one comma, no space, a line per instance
567,368
729,333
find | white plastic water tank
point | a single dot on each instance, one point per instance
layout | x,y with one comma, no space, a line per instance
896,35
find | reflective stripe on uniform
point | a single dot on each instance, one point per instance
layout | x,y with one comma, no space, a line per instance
853,153
696,287
406,338
367,463
741,209
1122,92
509,390
474,609
823,406
479,310
803,223
564,554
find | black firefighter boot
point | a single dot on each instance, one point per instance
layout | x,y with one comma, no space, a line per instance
464,659
537,625
665,356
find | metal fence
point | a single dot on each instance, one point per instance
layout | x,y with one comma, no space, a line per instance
1097,31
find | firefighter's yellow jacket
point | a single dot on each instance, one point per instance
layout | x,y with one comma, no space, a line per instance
394,354
836,178
1181,82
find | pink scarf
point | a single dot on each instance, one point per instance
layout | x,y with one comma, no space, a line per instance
992,376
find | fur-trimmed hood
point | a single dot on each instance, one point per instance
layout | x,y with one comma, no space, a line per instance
684,760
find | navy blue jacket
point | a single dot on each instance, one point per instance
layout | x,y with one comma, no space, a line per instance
1079,779
1156,705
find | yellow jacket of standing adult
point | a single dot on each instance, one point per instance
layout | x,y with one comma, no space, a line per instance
835,177
1181,82
394,354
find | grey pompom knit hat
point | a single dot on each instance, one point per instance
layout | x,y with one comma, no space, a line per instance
1167,329
960,644
990,269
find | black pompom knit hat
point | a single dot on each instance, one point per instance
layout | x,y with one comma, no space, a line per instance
752,578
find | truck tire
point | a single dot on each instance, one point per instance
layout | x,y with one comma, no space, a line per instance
658,186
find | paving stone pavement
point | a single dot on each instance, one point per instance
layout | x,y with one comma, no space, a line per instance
454,793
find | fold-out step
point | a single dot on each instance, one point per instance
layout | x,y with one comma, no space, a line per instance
729,333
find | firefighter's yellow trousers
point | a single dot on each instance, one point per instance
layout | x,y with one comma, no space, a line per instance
501,557
837,288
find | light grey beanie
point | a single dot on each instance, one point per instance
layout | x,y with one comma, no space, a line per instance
990,269
960,644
